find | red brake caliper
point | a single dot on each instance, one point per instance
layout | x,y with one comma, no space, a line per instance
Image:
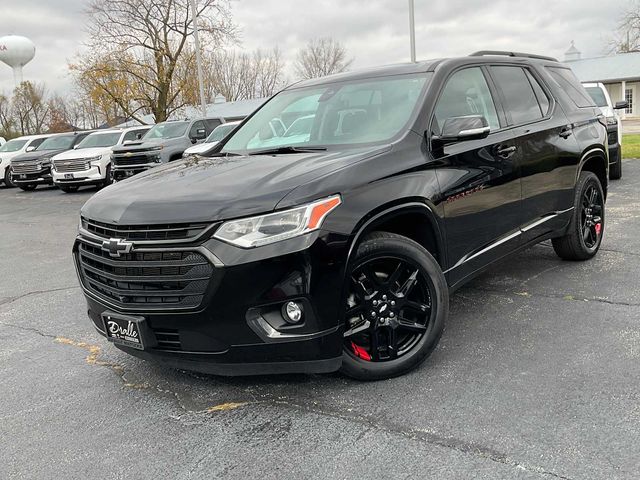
598,228
360,352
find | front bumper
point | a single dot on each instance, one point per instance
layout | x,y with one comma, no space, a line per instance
238,328
42,177
94,176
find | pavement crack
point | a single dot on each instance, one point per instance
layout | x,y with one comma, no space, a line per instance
28,329
6,301
552,296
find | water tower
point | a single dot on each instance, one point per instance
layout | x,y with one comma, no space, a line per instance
16,51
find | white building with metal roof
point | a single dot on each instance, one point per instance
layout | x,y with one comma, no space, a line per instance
619,73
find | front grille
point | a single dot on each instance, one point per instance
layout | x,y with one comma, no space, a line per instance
72,165
167,231
26,167
612,138
166,280
168,339
131,160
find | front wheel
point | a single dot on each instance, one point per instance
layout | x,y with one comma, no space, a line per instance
584,236
397,305
7,178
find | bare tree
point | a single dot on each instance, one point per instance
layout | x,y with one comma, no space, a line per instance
29,108
627,37
322,56
7,122
239,75
141,48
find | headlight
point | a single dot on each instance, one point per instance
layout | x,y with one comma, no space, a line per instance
274,227
94,159
612,121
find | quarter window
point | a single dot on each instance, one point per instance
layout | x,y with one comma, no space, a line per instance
520,99
466,93
568,82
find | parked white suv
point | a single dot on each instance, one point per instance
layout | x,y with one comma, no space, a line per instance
600,96
13,148
89,163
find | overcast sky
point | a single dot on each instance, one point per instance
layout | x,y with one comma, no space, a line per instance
374,31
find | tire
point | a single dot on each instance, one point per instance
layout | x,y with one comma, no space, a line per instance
415,319
615,170
68,188
584,237
29,187
108,179
7,178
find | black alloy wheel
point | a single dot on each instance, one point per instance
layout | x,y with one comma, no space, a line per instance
584,235
591,215
397,302
7,178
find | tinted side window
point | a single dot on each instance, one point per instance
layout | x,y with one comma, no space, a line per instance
568,82
199,125
211,124
520,100
542,97
466,93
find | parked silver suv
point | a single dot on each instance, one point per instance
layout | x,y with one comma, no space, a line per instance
164,143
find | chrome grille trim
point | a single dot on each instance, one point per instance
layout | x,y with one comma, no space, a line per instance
72,165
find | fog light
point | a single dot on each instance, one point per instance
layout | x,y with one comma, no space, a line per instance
292,312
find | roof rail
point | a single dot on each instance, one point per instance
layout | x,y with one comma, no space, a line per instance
483,53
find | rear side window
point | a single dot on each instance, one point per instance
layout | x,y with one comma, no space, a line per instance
568,82
541,95
521,102
466,93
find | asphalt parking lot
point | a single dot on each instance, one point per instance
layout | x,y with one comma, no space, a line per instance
537,376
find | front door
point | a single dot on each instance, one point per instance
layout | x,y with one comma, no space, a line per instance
479,179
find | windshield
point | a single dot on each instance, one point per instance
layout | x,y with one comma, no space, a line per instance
220,132
359,112
598,96
57,143
100,140
13,145
167,130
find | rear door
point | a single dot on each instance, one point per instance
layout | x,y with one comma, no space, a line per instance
542,133
478,178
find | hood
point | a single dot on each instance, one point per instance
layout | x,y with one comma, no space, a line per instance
145,144
200,148
83,153
204,189
36,155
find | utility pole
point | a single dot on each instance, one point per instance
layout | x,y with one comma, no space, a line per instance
412,30
203,103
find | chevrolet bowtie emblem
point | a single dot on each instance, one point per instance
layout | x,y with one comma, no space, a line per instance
116,247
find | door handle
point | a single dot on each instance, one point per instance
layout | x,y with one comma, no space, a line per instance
565,132
505,152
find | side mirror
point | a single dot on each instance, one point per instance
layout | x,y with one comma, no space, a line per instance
75,147
468,127
621,105
30,149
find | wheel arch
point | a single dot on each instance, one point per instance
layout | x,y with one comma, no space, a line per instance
413,219
595,160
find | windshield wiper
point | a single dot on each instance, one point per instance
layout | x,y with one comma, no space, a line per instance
288,149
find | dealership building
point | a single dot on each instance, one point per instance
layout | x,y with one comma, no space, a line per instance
619,73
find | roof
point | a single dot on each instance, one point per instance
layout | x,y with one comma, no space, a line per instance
624,66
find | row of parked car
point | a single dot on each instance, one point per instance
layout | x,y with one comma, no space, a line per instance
75,159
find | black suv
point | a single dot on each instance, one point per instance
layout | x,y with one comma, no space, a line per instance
337,247
34,168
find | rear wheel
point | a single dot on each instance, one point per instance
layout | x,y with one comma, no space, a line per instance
7,178
584,237
397,304
29,187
